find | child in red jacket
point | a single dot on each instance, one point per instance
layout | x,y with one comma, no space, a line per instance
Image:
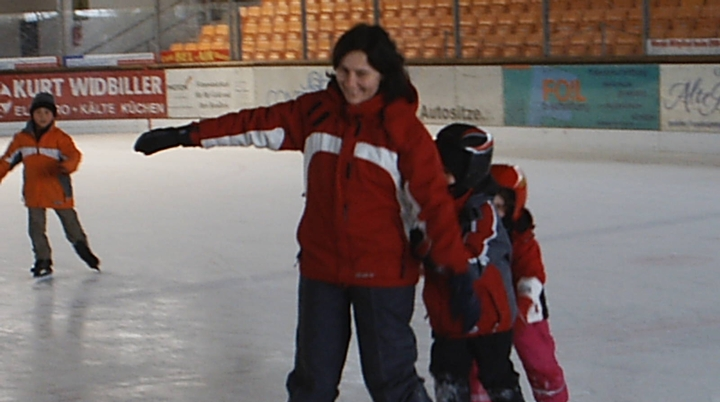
471,314
50,156
532,339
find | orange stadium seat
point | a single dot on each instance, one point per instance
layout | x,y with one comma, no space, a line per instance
615,18
525,28
626,4
706,28
295,8
680,29
517,8
576,50
624,50
533,51
207,30
490,51
511,51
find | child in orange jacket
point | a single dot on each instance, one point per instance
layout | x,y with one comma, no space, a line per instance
533,342
50,156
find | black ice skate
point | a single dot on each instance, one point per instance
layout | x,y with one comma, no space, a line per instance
42,269
86,255
513,394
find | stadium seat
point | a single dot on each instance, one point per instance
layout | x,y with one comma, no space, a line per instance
489,51
511,51
626,4
533,51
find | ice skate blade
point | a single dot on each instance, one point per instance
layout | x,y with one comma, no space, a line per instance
44,278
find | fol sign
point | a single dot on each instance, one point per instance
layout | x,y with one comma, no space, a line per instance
577,96
86,95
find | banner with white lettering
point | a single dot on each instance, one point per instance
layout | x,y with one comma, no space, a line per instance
690,97
470,94
208,92
86,95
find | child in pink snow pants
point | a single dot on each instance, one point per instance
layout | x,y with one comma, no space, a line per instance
532,339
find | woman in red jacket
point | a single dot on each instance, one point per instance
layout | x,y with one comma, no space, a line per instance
532,339
370,168
50,156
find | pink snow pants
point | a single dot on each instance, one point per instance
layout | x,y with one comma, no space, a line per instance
536,348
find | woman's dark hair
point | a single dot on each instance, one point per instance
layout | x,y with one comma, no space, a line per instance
382,55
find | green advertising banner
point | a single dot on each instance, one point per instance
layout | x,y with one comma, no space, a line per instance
582,96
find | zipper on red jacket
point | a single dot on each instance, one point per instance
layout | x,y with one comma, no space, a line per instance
357,134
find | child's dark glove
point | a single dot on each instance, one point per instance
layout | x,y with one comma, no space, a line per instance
464,304
163,138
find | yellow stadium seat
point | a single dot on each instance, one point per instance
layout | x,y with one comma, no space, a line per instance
533,51
207,30
222,29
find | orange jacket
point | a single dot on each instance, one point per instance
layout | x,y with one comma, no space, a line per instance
48,164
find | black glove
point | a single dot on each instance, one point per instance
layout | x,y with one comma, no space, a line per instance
163,138
464,304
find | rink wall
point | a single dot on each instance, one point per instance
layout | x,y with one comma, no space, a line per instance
643,112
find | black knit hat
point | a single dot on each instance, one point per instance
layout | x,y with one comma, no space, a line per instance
46,100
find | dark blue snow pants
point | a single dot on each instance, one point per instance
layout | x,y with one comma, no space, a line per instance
387,344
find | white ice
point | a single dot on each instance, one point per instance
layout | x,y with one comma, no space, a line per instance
197,298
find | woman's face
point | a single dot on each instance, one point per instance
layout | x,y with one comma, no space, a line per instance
358,80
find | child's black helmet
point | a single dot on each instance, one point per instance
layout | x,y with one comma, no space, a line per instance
466,152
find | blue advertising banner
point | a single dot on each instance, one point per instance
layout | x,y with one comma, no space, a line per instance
582,96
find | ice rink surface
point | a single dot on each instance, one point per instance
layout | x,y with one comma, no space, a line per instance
197,298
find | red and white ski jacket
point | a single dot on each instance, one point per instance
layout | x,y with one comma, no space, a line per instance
48,164
487,242
370,171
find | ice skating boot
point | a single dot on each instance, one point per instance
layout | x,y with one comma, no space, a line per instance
506,395
450,389
42,269
86,255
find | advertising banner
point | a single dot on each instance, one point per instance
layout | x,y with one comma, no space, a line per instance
279,84
684,46
86,95
690,97
597,96
470,94
208,92
119,59
27,63
194,56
